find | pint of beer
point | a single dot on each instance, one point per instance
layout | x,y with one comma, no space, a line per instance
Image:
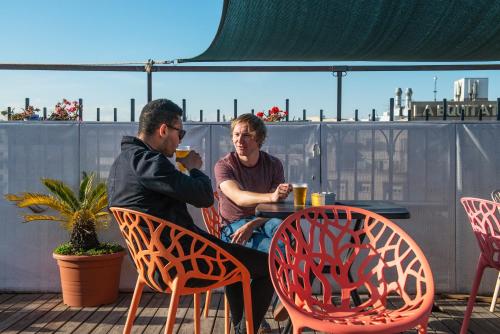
182,152
299,194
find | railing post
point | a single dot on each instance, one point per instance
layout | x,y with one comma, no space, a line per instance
184,113
149,70
235,106
44,113
445,109
498,108
98,116
115,114
80,109
9,113
391,109
480,113
462,113
356,118
26,103
218,115
304,115
287,109
426,113
132,110
339,96
201,115
321,115
253,112
373,115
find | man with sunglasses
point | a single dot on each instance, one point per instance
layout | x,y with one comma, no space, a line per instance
143,179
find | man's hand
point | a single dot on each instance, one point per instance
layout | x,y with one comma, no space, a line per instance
281,192
243,234
193,160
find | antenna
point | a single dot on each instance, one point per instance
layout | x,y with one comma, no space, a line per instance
435,87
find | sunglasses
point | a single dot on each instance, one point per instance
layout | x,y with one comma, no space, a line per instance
181,132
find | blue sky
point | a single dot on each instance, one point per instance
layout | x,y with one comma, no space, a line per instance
112,31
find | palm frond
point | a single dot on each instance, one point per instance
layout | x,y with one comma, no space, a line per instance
61,190
96,196
37,199
86,186
31,218
14,197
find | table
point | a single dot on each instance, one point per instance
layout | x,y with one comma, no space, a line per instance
386,209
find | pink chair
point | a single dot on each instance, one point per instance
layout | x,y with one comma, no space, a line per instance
321,245
484,216
495,196
213,223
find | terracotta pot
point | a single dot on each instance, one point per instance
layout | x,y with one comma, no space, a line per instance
89,280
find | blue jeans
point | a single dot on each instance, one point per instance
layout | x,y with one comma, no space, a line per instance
261,236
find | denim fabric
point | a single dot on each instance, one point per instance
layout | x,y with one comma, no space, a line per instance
261,236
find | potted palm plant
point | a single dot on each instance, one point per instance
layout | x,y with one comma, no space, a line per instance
89,269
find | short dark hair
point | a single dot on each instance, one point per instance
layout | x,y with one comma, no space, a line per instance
156,113
256,125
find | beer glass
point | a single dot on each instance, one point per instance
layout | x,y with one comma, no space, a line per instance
299,194
182,152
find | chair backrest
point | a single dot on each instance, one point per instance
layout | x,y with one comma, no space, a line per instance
484,217
495,195
212,218
164,252
384,261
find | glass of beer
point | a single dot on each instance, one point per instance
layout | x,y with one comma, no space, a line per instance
299,194
182,152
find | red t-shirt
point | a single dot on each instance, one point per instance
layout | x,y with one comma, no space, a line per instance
264,177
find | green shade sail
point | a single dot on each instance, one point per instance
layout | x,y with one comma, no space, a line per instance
356,30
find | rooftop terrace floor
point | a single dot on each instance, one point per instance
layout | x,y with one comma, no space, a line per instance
45,313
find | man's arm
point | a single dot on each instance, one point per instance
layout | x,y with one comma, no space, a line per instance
240,197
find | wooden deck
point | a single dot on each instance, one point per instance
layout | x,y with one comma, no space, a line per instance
45,313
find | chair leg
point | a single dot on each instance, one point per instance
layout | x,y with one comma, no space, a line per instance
495,294
227,318
247,300
207,303
472,296
197,313
172,310
136,298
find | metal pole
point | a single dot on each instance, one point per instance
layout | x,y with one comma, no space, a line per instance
391,109
201,115
356,115
304,115
498,108
184,113
253,112
480,113
321,115
80,109
9,113
115,114
339,96
373,115
132,110
462,113
445,109
218,115
98,114
287,109
150,86
426,113
44,113
26,103
235,104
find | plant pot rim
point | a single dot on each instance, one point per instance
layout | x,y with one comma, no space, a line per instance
100,257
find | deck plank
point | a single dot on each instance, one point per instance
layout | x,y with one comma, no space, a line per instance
45,313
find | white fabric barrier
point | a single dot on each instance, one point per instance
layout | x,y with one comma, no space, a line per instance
424,166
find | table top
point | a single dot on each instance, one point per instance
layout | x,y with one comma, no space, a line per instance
386,209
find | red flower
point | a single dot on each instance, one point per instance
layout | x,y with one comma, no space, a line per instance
274,110
260,114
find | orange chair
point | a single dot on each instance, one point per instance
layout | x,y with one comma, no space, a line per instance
484,216
495,197
213,223
169,269
321,245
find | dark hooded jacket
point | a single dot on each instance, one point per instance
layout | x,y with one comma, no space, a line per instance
145,180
